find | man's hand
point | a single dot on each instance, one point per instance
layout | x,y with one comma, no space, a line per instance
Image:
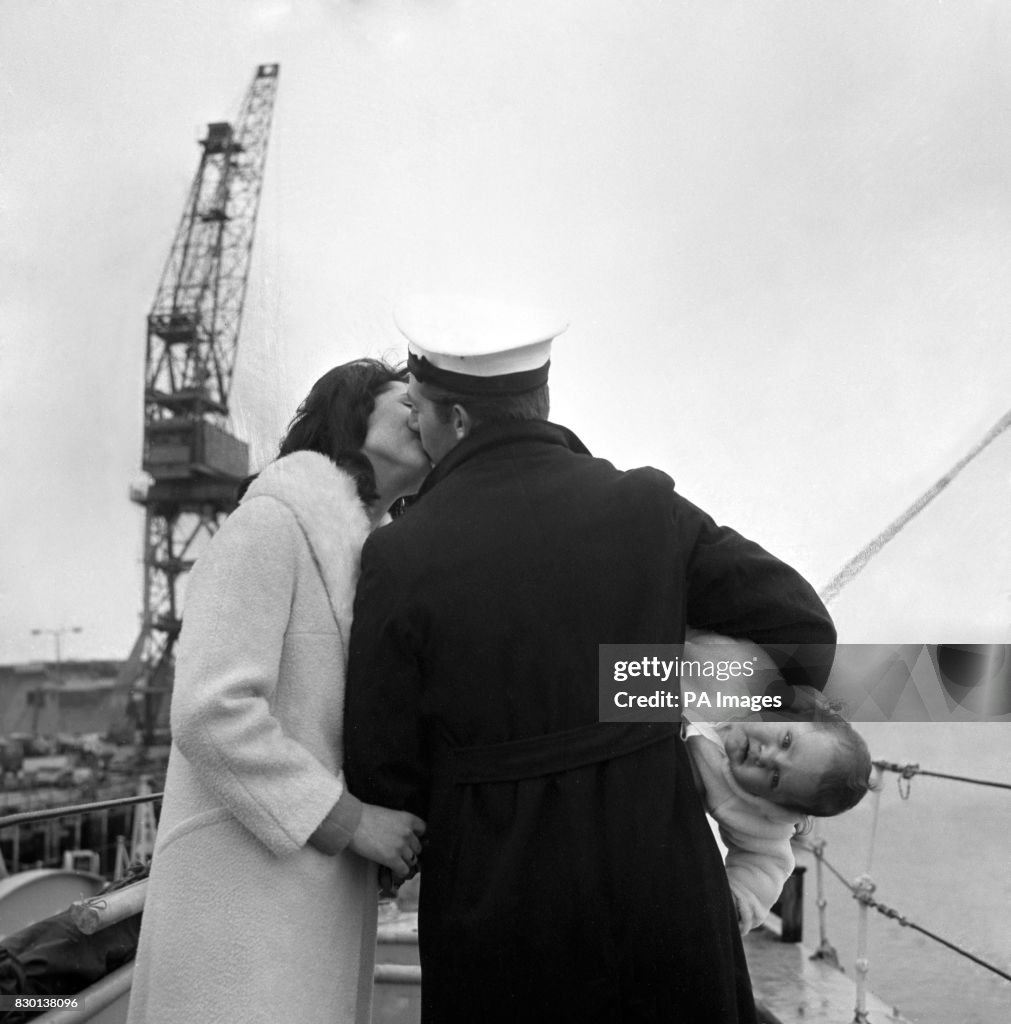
390,838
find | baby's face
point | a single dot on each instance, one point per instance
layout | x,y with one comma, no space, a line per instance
780,761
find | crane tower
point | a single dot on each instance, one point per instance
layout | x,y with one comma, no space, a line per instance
193,460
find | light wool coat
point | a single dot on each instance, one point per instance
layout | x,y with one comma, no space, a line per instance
243,921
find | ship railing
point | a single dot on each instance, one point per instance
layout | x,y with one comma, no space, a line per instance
863,887
142,828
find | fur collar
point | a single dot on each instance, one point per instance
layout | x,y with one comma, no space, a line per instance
324,500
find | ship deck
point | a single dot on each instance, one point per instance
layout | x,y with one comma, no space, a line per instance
790,987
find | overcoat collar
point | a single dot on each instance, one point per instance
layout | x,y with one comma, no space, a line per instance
325,503
500,435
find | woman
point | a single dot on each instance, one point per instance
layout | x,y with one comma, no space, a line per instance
261,904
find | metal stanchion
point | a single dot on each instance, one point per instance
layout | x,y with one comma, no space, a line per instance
864,890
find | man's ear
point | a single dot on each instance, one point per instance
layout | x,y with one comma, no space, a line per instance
461,422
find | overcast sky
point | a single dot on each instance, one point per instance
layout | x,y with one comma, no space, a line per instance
780,231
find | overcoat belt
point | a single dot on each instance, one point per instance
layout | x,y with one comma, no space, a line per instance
535,756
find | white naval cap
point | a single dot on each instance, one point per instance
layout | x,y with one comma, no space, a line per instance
475,346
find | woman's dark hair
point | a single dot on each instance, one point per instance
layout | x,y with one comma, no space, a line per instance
334,418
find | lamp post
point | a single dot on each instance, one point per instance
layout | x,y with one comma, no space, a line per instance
56,634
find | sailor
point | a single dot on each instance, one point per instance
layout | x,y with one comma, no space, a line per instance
569,872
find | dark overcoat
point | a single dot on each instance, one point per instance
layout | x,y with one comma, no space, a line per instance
569,873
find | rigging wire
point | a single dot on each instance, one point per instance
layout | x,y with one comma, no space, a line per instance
859,560
863,895
907,771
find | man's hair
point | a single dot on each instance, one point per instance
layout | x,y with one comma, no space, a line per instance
334,418
528,405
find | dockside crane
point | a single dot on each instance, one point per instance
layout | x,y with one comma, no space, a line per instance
193,460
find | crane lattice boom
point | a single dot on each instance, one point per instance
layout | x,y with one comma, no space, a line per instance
193,459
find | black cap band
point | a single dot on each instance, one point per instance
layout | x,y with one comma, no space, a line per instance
465,384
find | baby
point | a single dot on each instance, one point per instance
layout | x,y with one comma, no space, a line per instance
761,779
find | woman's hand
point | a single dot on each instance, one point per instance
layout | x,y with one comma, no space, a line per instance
390,838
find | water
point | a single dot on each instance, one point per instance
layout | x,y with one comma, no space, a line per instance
941,860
